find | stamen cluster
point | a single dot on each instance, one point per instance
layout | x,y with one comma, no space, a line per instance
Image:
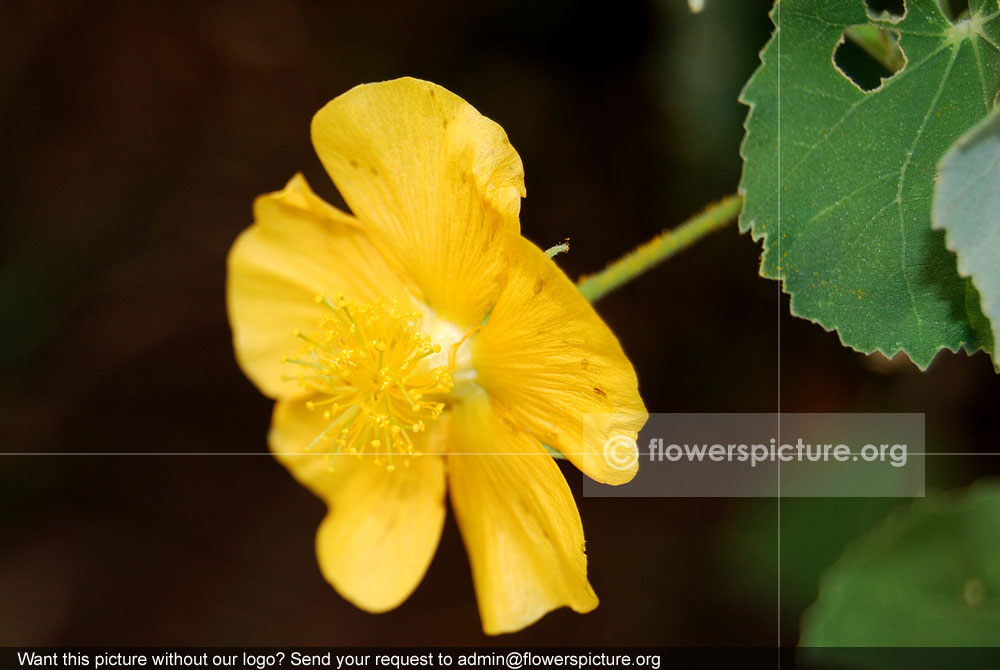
364,366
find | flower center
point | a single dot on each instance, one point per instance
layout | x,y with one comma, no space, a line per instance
377,378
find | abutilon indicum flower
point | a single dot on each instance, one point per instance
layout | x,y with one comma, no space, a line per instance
422,344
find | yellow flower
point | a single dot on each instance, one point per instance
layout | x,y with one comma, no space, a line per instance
420,344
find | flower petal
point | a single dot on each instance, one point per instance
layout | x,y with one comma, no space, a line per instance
548,357
518,519
298,247
382,527
434,179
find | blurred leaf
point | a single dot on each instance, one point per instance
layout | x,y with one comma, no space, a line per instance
967,205
848,175
928,575
813,534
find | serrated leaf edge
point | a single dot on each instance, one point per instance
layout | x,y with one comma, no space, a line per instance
750,226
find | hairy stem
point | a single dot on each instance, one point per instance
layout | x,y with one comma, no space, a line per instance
663,246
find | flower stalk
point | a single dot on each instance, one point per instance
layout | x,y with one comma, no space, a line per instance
663,246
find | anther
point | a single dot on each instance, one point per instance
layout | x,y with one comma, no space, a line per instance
369,380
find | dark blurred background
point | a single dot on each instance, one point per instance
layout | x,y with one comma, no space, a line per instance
134,138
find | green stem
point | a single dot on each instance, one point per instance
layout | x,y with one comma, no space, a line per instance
663,246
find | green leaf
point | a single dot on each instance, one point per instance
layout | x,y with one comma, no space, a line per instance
967,206
813,534
928,575
839,182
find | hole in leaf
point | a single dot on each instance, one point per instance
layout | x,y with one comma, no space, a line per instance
955,10
886,10
868,55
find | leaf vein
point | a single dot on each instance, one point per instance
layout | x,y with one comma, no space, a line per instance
854,107
841,201
982,76
902,179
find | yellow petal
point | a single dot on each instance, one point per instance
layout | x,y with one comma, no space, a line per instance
298,247
518,519
382,528
432,178
548,357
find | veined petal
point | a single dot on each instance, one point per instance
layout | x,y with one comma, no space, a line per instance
298,247
431,177
547,356
382,528
520,524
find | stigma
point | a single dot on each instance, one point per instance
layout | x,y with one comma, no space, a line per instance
375,376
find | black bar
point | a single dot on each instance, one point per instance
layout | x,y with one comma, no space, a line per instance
507,658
